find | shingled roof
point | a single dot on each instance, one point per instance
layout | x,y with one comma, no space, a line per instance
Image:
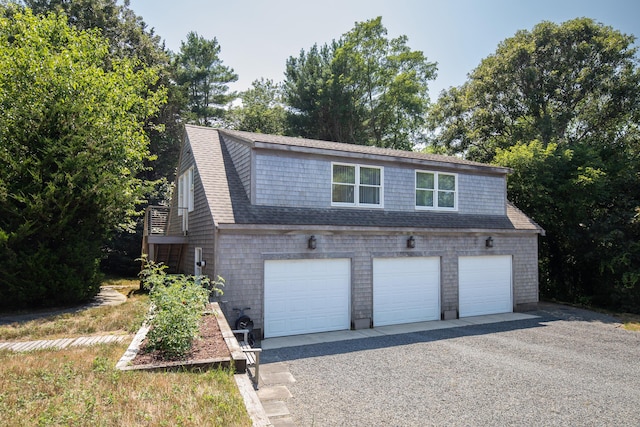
278,142
230,205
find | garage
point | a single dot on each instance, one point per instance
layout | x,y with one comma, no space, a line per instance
484,285
306,296
406,290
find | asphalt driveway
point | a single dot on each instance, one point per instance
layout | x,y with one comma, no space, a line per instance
566,367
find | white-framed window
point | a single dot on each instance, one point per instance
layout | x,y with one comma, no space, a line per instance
436,190
185,197
185,192
356,185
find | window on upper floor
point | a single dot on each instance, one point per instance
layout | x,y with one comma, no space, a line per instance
185,192
436,190
356,185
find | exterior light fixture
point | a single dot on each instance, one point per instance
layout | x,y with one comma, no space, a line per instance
489,242
411,242
312,242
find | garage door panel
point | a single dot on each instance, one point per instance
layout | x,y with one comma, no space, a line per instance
319,322
406,290
306,296
485,285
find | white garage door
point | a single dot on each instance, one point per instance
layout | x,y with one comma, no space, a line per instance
306,296
406,290
485,285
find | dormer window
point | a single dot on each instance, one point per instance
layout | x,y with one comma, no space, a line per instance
356,185
436,190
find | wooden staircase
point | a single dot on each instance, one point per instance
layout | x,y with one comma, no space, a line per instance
170,254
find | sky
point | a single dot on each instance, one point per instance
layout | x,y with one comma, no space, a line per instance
257,36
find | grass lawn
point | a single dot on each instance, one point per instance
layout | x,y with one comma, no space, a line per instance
631,322
81,387
123,319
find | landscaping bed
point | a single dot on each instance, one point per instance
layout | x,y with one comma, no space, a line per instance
209,345
216,347
183,329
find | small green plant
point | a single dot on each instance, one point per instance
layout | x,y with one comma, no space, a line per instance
175,322
152,273
178,303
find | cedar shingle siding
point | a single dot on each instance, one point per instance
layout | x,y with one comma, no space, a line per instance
259,197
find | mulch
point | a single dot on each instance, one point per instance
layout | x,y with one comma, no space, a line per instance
210,345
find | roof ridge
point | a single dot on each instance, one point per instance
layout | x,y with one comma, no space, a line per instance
308,143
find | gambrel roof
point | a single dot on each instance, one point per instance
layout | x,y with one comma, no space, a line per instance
231,208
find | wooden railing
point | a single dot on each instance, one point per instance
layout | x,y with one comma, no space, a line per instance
156,219
157,244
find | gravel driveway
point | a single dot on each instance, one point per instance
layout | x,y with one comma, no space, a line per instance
568,367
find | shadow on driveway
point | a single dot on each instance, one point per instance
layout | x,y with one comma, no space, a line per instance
566,367
546,312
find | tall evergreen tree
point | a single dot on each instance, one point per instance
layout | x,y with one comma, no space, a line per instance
321,107
389,83
363,89
204,80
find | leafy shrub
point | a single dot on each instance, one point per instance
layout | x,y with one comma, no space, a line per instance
176,317
178,303
47,271
73,145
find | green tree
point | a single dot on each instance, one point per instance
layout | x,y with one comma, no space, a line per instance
72,143
362,89
561,105
262,109
129,37
204,79
321,107
389,82
126,32
570,83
